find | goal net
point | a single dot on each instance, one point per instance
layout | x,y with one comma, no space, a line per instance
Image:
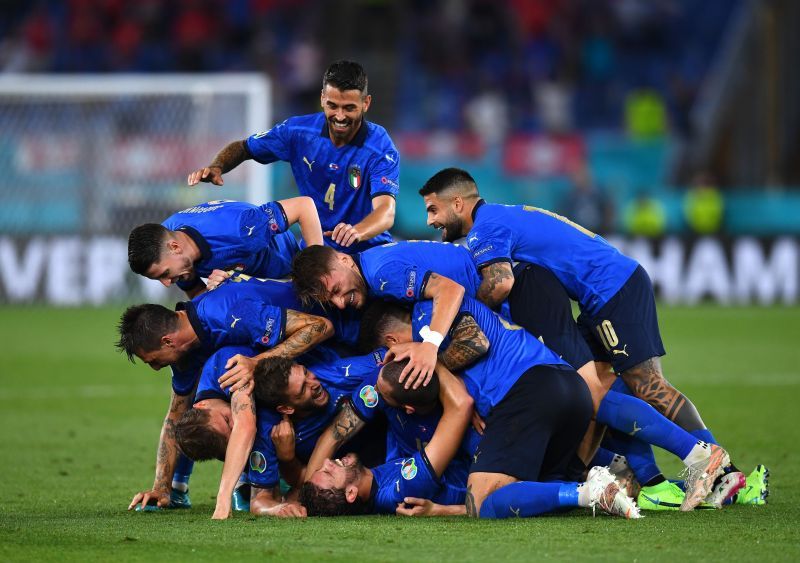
86,158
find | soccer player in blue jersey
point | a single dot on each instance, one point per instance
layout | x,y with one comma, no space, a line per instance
222,235
404,271
615,295
346,164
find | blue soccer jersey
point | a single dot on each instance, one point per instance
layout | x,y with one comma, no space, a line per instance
208,386
413,477
185,374
590,269
339,376
251,313
341,181
233,235
399,271
512,351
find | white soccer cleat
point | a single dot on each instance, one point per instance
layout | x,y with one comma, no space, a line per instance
727,486
605,492
699,477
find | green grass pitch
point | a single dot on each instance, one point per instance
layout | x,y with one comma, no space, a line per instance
79,430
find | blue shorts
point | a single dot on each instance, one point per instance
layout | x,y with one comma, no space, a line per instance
625,331
534,432
540,305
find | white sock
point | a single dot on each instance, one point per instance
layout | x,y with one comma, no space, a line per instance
700,451
180,486
583,495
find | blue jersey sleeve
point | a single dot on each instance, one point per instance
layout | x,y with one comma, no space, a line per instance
489,243
417,478
208,387
183,380
251,322
399,280
262,467
270,146
385,175
365,400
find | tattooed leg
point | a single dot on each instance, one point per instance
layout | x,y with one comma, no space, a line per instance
648,384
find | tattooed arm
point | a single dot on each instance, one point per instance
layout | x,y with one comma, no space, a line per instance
240,442
468,343
167,455
498,279
346,425
231,156
303,332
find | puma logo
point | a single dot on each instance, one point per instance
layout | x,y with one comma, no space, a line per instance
347,370
249,229
635,429
475,456
235,320
421,315
305,159
383,283
623,351
514,512
471,239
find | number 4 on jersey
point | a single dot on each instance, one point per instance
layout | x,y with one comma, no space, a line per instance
329,196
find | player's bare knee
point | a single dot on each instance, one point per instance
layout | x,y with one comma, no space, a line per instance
480,486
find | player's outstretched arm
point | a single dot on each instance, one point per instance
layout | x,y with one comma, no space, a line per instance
167,455
346,425
468,343
243,434
267,502
496,283
380,219
447,296
303,211
457,407
418,507
303,333
227,159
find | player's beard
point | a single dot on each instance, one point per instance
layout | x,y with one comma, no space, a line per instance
353,470
349,132
452,228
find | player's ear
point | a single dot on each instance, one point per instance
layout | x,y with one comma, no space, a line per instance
174,246
322,98
283,409
389,340
458,204
367,102
351,493
167,341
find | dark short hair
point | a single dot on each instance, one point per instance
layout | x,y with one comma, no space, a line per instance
378,319
196,439
145,244
423,396
142,326
309,266
329,502
346,75
271,378
445,179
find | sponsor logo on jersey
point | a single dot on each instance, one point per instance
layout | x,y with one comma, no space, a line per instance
333,166
354,176
268,331
271,220
385,180
376,355
408,469
258,462
410,282
483,250
390,157
369,396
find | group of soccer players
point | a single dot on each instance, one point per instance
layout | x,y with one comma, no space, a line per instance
347,373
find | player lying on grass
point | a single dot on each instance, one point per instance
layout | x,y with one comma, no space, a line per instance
488,350
346,487
211,238
349,166
185,338
615,295
219,428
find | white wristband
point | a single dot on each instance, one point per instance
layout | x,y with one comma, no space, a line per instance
431,336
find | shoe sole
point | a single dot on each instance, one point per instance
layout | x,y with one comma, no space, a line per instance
702,487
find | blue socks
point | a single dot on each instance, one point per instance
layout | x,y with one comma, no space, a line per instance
641,421
183,470
528,498
705,435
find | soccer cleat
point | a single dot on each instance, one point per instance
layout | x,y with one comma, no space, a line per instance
664,496
240,501
756,489
179,499
605,492
725,487
628,482
699,477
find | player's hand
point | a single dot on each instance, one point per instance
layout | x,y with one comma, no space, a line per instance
222,512
239,374
211,174
412,506
422,361
142,498
215,278
477,423
282,435
288,510
343,234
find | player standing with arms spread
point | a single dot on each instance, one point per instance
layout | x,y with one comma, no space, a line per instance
347,165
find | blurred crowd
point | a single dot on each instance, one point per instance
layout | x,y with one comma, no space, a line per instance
489,66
